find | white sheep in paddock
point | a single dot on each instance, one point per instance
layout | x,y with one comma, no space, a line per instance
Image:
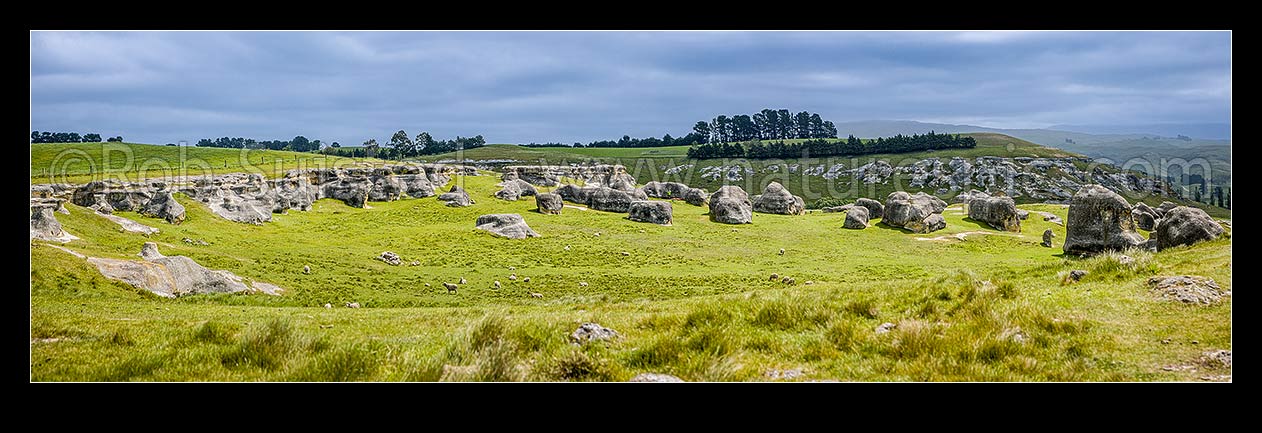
536,295
496,284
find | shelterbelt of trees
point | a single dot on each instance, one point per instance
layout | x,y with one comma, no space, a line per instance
820,147
767,124
68,137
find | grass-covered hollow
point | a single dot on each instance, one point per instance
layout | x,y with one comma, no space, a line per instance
693,299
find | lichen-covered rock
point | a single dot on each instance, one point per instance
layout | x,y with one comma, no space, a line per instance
914,212
610,199
731,205
656,212
1188,289
509,225
998,212
856,218
875,208
549,203
164,206
778,200
588,332
697,197
390,258
456,197
352,191
1099,220
1184,225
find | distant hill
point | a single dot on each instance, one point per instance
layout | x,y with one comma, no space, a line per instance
1209,131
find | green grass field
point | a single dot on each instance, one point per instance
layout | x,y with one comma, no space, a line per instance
85,162
692,299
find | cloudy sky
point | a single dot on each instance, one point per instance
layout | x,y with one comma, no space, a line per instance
517,87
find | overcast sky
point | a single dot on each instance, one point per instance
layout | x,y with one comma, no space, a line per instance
518,87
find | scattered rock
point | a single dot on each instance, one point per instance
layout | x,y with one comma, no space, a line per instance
390,258
1125,260
1052,218
654,377
809,282
129,225
914,212
1047,238
1185,226
1099,220
592,332
656,212
456,197
191,241
998,212
783,374
1216,359
885,327
875,208
731,205
776,199
1188,289
509,225
1013,334
697,197
549,203
1077,274
856,218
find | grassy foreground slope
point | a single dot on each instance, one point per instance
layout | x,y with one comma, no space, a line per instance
84,162
692,299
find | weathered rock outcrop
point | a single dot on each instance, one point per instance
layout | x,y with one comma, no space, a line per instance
610,199
914,212
1099,220
509,225
778,200
456,197
514,189
1145,217
875,208
613,176
1188,289
856,218
164,206
549,203
731,205
665,189
1047,238
129,225
1185,226
44,226
656,212
998,212
697,197
175,275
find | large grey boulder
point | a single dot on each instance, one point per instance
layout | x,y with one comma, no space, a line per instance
509,225
549,203
508,191
575,194
1145,217
456,197
414,181
875,208
1099,220
610,199
352,191
656,212
164,206
856,218
731,205
697,197
384,186
998,212
175,275
914,212
293,192
1185,226
44,226
657,189
778,200
588,332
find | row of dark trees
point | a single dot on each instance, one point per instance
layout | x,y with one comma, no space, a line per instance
767,124
820,147
401,146
298,144
68,137
627,141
